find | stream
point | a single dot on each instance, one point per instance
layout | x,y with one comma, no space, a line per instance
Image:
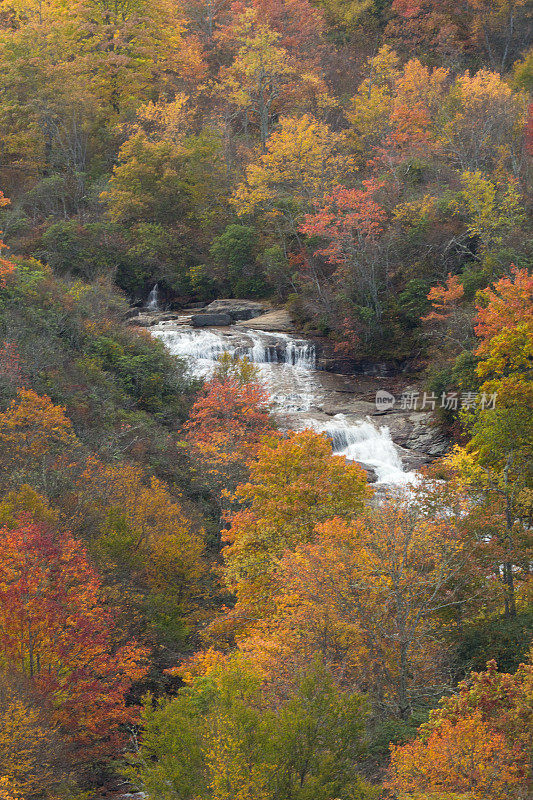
287,368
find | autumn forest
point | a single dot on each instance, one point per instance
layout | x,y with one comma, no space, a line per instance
198,601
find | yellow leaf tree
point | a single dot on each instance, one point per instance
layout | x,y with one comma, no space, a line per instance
37,442
304,160
143,530
26,745
295,482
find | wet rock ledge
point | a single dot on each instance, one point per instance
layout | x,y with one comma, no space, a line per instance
220,314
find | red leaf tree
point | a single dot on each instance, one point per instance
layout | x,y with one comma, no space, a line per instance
56,631
227,423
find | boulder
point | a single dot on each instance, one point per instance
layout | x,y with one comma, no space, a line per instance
142,320
236,309
273,321
371,476
206,320
145,319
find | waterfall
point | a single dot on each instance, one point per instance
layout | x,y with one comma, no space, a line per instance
287,368
363,442
201,347
285,364
152,304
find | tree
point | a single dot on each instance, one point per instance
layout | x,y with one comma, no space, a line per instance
234,253
370,108
10,369
318,739
347,214
7,268
476,746
501,28
160,177
394,113
295,482
417,84
504,325
119,63
266,76
496,464
228,422
349,222
91,66
366,596
56,632
444,299
464,758
299,24
259,74
7,790
222,739
450,320
168,182
36,436
304,159
46,109
494,212
412,564
28,759
496,30
483,123
409,136
142,533
346,14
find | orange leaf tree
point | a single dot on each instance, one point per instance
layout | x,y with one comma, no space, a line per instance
496,464
7,268
227,423
476,746
350,222
366,596
450,321
504,325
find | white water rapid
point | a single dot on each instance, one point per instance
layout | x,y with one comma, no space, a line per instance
368,445
287,367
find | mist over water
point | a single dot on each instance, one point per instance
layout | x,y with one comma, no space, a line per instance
287,368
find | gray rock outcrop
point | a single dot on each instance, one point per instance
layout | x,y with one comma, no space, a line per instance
236,309
277,321
215,320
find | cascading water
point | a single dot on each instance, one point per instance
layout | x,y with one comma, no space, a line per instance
361,441
287,367
152,303
285,364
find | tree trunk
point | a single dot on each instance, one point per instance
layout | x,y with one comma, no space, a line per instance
404,702
508,577
508,590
